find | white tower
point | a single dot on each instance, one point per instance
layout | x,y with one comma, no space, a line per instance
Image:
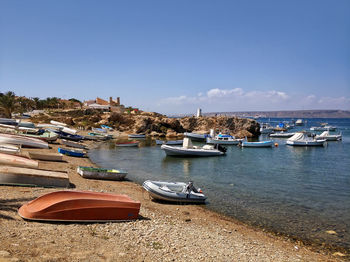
199,112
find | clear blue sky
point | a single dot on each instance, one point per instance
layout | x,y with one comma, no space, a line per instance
175,56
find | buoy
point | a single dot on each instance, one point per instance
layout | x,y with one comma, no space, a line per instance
276,144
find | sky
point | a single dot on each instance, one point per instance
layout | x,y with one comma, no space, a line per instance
173,57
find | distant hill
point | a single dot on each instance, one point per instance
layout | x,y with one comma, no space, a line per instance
291,114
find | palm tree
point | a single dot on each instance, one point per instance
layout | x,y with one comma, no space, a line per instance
8,103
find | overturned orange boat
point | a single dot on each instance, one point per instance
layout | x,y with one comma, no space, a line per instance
80,206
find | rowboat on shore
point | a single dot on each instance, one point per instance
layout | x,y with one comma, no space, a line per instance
10,175
46,156
10,149
71,152
23,141
56,123
67,136
129,143
14,160
101,173
46,136
174,191
81,206
73,144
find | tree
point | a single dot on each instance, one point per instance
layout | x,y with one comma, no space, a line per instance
8,103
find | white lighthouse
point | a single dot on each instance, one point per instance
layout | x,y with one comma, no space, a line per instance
199,112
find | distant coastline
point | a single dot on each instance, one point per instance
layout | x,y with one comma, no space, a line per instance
287,113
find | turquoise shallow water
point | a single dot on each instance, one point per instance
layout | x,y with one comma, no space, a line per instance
298,191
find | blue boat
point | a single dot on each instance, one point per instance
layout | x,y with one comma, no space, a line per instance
106,127
65,135
71,152
257,144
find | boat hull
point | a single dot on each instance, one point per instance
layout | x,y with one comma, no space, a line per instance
136,136
128,144
81,206
101,173
160,191
46,156
224,142
20,161
195,137
257,144
71,152
183,152
306,143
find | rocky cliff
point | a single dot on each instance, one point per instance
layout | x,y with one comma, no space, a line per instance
154,124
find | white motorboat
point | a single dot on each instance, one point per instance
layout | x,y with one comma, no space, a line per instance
268,143
174,191
299,122
323,128
326,135
23,141
195,136
282,135
301,139
188,150
266,128
222,139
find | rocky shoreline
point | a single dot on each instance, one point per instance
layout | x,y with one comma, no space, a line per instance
164,232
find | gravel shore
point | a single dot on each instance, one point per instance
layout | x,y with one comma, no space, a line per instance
164,232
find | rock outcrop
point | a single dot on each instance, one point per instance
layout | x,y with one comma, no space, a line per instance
155,124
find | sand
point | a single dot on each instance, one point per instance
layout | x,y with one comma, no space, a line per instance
164,232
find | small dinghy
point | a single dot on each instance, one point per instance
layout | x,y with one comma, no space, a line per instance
174,191
129,143
137,136
268,143
101,173
71,152
80,206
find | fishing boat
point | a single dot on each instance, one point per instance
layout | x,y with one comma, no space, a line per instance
326,135
223,139
268,143
10,175
10,149
80,206
23,141
71,152
73,144
101,173
137,136
282,135
188,150
174,191
301,139
128,143
46,156
196,137
14,160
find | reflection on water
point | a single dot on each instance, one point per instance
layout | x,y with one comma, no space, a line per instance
299,191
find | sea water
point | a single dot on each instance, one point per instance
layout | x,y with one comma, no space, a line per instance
302,192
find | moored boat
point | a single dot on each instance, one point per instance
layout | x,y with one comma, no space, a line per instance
80,206
188,150
101,173
299,122
301,139
196,137
137,136
11,175
128,143
268,143
323,128
174,191
223,139
282,135
71,152
169,142
326,135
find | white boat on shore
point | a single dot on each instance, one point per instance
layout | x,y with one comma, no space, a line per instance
46,156
222,139
101,173
56,123
14,160
174,191
301,139
23,141
10,149
188,150
326,135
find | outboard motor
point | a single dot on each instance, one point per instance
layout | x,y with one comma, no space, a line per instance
222,148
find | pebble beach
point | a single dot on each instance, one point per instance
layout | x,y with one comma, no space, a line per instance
163,232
